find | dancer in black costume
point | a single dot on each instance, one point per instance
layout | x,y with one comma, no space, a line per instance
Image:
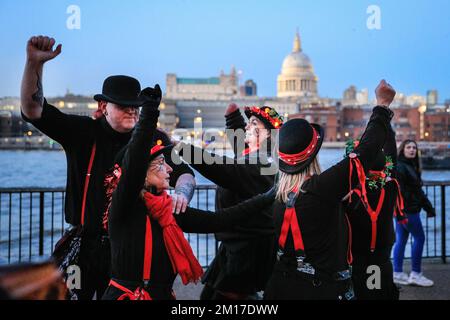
245,259
147,245
314,254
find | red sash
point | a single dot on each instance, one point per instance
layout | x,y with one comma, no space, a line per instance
86,182
140,293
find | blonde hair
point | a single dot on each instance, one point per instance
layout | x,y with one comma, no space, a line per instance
288,182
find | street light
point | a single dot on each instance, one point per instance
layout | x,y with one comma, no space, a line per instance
422,109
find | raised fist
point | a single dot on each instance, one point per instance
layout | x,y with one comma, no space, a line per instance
385,94
231,108
40,49
152,96
431,212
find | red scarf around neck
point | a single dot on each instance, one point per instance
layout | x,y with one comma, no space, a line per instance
180,252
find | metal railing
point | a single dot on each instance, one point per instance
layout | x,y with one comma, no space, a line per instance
436,228
32,221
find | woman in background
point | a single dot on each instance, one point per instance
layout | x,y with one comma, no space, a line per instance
410,178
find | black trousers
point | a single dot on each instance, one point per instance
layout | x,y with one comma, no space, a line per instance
289,284
95,267
366,286
240,269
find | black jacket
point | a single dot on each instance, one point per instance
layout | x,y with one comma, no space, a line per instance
360,220
319,208
77,135
245,258
411,184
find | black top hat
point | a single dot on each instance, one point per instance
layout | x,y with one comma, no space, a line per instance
299,144
121,90
269,116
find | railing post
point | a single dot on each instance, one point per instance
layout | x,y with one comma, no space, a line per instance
443,227
41,223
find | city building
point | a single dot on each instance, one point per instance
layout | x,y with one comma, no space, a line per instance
248,89
213,88
432,97
407,122
353,120
5,124
327,117
353,97
192,103
415,100
437,124
297,78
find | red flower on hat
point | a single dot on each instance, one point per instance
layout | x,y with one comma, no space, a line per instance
269,114
158,146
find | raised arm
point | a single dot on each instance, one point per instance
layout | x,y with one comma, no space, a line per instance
199,221
136,157
390,146
234,121
182,178
333,184
39,51
226,172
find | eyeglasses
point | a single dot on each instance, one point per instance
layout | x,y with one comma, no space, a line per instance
158,165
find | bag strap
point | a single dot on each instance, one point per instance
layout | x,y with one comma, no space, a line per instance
86,181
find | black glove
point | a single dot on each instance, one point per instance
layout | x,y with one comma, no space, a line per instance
431,212
152,97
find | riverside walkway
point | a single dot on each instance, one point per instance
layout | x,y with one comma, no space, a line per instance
433,269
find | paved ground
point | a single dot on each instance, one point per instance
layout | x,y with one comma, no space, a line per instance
436,271
433,269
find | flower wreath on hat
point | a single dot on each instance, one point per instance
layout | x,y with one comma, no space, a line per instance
269,114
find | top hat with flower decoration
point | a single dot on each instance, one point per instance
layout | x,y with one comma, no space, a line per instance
269,116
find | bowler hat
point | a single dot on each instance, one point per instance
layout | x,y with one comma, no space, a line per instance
121,90
299,143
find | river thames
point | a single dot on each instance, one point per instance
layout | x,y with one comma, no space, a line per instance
48,168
